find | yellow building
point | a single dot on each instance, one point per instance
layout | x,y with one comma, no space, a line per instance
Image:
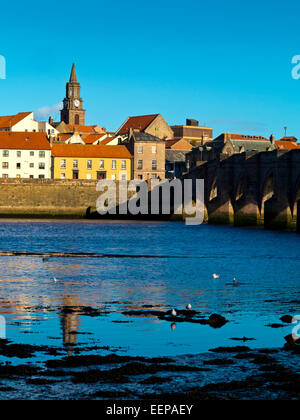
76,161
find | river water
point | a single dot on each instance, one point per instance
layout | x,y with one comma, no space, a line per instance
162,265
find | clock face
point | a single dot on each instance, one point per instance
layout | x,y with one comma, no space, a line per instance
76,103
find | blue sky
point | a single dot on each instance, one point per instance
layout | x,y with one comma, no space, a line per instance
227,64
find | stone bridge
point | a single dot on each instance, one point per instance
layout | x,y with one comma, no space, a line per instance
252,189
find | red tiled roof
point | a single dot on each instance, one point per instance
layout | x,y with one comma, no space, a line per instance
107,140
24,141
90,151
91,138
64,136
84,128
294,139
286,145
11,120
140,122
244,137
173,142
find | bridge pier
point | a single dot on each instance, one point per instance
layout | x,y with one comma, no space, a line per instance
246,212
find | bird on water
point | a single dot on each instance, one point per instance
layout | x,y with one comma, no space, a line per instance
216,276
173,313
188,307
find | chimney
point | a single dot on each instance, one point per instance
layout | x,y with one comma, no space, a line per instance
51,120
193,123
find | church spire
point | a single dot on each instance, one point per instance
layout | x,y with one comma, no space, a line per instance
73,77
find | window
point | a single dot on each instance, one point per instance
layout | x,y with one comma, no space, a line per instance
154,149
113,164
101,164
123,164
89,164
140,164
63,164
41,176
18,165
42,154
4,165
18,154
31,165
5,176
5,153
113,177
140,149
31,153
31,176
154,164
62,176
154,176
124,178
75,164
41,165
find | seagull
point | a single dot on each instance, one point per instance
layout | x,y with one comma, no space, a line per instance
55,280
216,276
188,307
235,282
45,259
173,313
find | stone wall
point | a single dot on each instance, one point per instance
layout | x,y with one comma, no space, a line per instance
252,189
45,197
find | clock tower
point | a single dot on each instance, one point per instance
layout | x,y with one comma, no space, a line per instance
72,112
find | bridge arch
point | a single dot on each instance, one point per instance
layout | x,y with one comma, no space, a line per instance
268,188
267,193
240,188
213,192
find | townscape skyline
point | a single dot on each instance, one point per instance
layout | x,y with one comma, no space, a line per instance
185,62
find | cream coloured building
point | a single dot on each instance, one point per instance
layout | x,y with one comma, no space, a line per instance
24,155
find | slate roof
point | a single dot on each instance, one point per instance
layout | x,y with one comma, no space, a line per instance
253,146
176,155
145,137
259,145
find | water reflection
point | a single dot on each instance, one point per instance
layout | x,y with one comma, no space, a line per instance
70,322
268,287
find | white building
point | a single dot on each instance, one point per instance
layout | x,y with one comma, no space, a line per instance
25,122
24,155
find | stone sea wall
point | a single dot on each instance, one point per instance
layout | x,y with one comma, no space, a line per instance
46,198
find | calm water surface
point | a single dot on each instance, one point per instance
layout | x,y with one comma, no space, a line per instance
266,264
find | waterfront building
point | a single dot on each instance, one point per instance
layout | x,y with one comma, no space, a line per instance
154,125
24,155
287,143
148,155
193,133
76,161
228,144
25,122
176,151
